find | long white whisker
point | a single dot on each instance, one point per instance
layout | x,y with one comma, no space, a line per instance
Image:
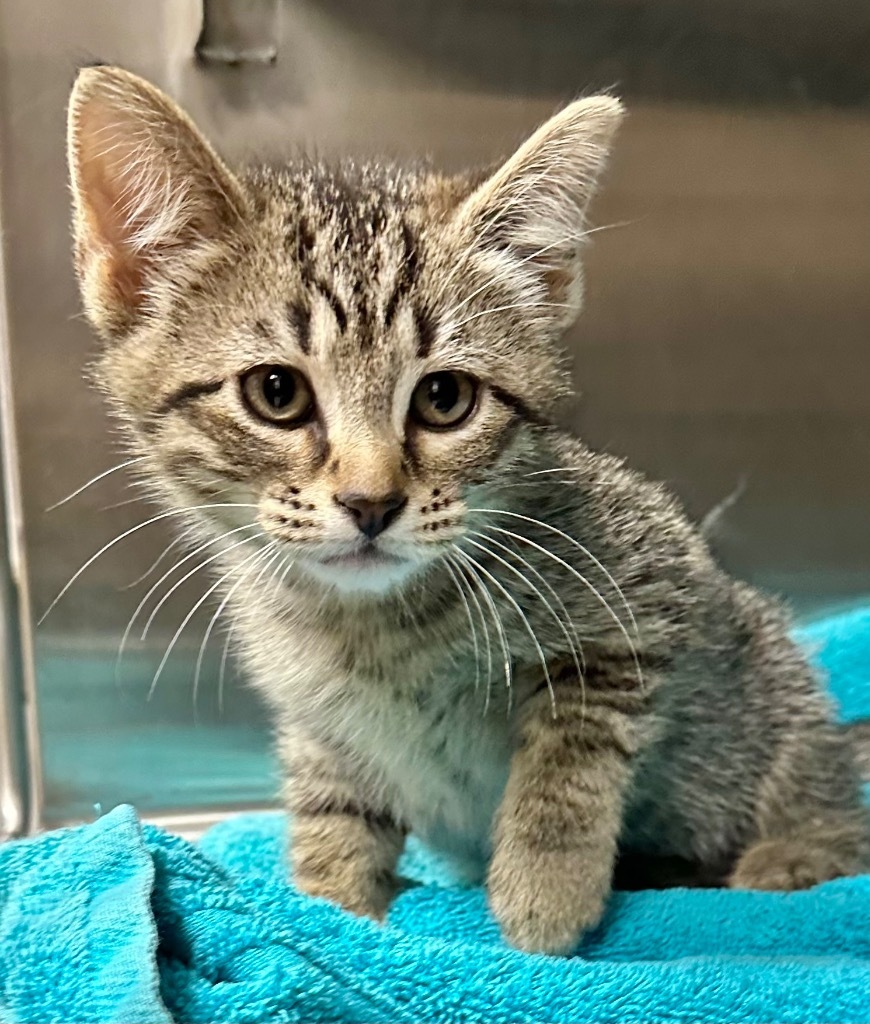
265,567
192,572
514,553
279,574
211,625
472,593
129,533
226,650
523,618
121,504
573,642
169,547
197,605
222,671
201,653
186,558
487,596
592,589
283,575
471,625
94,480
580,547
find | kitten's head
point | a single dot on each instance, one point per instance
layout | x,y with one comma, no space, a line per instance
353,351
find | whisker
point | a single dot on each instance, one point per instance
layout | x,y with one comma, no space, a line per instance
172,544
284,569
254,586
129,533
461,593
186,558
472,593
201,653
592,589
573,642
553,469
580,547
192,572
187,619
121,504
222,671
225,654
514,553
523,618
264,568
211,625
499,625
94,480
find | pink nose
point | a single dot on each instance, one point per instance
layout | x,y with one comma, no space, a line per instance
372,515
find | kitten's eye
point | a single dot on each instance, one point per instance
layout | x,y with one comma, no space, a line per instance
278,394
443,399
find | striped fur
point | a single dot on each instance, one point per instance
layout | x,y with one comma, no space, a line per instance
538,668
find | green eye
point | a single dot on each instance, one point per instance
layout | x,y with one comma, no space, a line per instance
278,394
443,400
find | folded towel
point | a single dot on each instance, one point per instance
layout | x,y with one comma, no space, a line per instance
120,922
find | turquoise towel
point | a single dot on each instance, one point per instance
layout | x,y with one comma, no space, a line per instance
119,922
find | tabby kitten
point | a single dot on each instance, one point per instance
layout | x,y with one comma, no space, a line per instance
465,623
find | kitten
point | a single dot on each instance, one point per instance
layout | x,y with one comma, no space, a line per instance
466,623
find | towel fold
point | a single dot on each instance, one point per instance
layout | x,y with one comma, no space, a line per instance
116,922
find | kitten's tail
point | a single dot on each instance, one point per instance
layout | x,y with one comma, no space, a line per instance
859,736
711,525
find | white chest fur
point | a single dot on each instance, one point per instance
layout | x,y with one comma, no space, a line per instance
414,721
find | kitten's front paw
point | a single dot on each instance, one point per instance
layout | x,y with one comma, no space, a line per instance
545,901
785,865
363,897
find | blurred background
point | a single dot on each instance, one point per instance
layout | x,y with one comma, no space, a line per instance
723,348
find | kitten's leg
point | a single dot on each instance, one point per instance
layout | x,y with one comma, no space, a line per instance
556,830
345,843
811,823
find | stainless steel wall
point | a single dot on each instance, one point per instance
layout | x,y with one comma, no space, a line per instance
724,344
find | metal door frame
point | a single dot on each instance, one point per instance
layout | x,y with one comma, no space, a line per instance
20,761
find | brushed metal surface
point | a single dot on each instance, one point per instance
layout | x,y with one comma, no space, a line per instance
724,341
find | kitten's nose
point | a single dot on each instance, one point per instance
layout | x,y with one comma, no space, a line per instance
372,515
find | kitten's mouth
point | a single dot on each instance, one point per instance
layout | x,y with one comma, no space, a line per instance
369,557
368,568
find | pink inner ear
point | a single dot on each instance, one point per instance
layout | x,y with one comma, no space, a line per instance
104,161
147,188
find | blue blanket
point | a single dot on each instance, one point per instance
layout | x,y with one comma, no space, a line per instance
119,922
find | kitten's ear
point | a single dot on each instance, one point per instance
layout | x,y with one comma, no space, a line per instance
146,186
533,209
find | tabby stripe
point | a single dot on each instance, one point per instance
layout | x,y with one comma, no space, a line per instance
517,405
409,450
425,333
628,702
407,277
188,393
333,300
602,676
583,736
299,321
333,808
625,659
